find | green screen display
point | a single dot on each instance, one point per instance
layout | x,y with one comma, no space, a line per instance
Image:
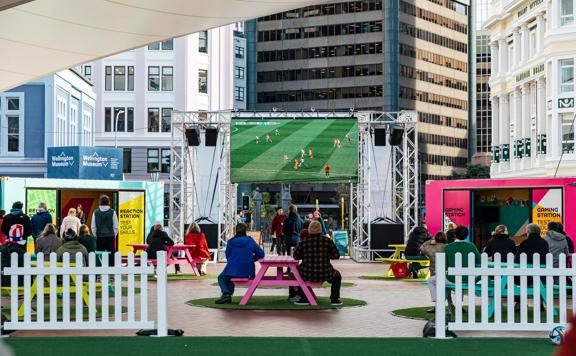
294,150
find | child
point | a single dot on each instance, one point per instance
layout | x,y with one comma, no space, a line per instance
241,253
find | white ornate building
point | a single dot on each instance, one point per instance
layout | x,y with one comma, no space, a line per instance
533,44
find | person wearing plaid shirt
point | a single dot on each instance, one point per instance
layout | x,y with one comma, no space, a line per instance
316,252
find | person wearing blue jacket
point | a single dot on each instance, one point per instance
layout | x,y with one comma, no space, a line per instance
241,253
40,220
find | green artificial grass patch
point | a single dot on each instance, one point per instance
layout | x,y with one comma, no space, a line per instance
324,285
378,278
421,314
274,303
250,346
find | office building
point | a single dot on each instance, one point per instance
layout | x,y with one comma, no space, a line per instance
373,55
138,90
533,46
57,110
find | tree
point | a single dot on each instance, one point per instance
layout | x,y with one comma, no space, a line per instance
473,171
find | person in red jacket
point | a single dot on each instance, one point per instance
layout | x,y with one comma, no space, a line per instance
327,170
276,230
200,254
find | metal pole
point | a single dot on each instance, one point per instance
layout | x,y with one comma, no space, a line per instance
116,128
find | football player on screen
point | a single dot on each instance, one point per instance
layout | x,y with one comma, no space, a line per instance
268,139
257,140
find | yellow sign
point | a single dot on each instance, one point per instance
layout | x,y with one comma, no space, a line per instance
131,220
546,207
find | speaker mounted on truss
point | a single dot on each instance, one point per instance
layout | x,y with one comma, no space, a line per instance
211,136
396,134
192,135
380,136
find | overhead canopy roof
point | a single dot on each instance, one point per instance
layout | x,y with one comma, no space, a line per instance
41,37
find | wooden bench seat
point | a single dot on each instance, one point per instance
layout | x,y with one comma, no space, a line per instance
272,281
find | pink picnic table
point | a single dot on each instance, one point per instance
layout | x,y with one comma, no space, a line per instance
280,279
171,259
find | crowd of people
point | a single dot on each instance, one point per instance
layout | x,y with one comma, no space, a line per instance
74,236
421,245
305,240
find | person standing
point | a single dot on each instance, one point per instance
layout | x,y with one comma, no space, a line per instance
80,214
70,222
105,228
291,229
327,170
200,253
276,230
40,220
17,225
557,243
2,236
48,241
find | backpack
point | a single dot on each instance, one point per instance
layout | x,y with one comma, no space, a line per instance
430,330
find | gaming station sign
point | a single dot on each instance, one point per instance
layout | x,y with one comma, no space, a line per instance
77,162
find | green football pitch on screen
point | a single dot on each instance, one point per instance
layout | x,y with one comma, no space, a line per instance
294,150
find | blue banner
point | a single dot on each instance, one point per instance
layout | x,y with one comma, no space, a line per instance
76,162
341,241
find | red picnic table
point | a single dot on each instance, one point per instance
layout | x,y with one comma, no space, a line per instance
171,259
279,280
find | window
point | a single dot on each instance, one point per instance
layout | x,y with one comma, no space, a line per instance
166,119
153,78
239,93
13,103
165,168
88,72
87,137
566,75
168,45
130,78
153,160
239,72
13,133
119,78
153,120
566,12
61,121
107,119
203,42
108,78
533,48
167,78
239,52
127,154
567,122
130,120
203,81
154,46
73,122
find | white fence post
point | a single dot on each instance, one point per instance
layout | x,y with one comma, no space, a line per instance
161,302
440,319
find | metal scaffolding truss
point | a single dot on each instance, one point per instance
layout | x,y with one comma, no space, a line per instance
404,183
183,177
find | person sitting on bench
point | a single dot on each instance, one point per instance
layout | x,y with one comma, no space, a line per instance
416,238
241,253
316,252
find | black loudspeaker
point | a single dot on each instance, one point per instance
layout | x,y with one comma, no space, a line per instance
379,137
193,136
211,232
245,202
211,137
396,136
382,235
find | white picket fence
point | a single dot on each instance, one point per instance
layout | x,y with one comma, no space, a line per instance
491,287
67,284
